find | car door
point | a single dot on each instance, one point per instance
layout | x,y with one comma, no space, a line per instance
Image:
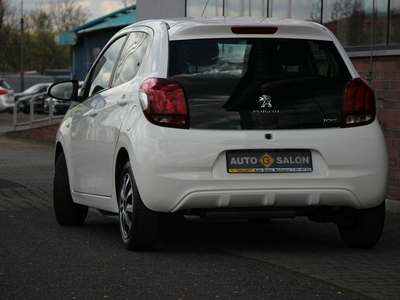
83,119
109,117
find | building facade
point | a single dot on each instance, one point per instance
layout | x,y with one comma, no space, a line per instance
368,29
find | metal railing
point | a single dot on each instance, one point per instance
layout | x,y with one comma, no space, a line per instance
32,120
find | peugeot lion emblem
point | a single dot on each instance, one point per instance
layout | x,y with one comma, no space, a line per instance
266,99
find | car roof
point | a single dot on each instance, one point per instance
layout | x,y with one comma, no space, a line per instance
187,28
42,83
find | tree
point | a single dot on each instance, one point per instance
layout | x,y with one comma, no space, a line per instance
67,14
395,23
40,25
128,2
346,9
315,14
9,22
347,15
44,54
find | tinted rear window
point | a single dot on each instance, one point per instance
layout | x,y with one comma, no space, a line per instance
4,84
260,83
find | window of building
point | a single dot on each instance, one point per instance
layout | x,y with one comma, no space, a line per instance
206,8
354,22
235,8
394,28
296,9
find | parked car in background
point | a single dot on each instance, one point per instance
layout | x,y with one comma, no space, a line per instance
59,107
6,97
38,105
222,118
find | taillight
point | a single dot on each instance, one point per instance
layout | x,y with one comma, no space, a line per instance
3,92
164,103
359,104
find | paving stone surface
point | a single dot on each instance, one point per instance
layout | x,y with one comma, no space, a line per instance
26,171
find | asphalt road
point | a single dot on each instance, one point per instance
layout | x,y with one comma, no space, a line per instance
286,259
45,261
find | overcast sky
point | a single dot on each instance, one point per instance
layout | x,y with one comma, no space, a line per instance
97,8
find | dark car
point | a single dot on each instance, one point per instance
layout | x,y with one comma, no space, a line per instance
27,95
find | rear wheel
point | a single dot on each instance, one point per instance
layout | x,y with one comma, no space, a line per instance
67,212
366,229
138,224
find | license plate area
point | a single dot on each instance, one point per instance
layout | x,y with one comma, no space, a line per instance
269,161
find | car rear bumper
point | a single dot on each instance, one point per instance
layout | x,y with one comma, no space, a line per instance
6,107
186,169
268,198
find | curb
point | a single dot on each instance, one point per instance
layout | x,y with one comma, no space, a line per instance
46,133
393,206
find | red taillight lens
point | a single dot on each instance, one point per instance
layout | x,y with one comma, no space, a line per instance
3,92
359,104
164,102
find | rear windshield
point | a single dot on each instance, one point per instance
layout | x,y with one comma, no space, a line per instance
4,84
260,83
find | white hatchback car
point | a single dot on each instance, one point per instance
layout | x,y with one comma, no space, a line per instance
6,97
222,118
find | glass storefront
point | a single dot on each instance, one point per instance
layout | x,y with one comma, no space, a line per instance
351,21
394,28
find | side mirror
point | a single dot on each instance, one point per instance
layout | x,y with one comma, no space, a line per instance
65,90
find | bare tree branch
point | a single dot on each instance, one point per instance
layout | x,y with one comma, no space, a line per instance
67,14
128,2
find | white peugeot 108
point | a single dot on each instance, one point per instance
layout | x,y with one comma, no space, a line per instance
222,118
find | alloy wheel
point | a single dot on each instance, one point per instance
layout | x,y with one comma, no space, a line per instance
126,206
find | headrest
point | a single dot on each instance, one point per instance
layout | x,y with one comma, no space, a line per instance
202,53
292,53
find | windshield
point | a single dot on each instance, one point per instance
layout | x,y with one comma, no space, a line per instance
260,83
37,88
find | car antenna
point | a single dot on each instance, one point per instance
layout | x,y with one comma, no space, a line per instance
369,75
205,6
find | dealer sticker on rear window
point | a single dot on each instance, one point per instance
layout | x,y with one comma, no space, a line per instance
269,161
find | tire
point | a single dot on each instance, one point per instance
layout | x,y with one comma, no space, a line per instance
67,212
138,225
366,229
